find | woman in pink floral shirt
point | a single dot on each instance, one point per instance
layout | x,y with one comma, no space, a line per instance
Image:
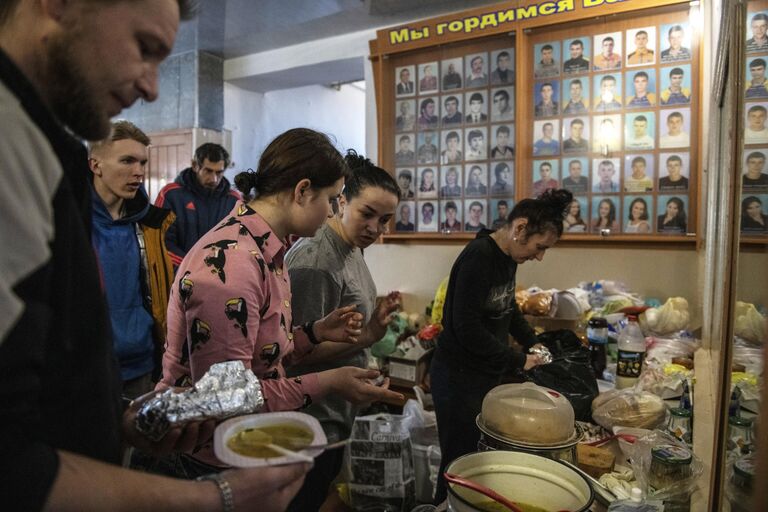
231,299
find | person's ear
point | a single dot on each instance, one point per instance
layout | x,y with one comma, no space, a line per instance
519,228
301,191
342,203
95,166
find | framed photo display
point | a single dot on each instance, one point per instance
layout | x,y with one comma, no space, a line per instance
604,102
454,134
754,171
617,125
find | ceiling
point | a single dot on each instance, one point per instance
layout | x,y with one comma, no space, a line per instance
253,26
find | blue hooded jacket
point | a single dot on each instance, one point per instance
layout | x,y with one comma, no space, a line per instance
119,255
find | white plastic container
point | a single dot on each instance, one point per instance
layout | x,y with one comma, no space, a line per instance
636,503
234,425
631,346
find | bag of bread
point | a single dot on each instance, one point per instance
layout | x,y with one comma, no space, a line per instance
629,408
539,303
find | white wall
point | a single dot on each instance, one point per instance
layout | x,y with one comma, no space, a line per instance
255,119
417,269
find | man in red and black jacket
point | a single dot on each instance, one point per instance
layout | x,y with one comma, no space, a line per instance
200,197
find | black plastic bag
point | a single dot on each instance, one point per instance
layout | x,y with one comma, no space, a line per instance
569,373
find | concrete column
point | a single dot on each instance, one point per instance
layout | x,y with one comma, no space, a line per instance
191,84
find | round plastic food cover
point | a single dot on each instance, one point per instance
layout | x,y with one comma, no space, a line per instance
528,413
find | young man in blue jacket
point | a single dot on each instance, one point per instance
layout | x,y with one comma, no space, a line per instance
200,197
128,236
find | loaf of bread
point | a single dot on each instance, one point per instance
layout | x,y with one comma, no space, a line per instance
629,408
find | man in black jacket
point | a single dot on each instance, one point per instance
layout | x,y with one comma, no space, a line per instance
68,67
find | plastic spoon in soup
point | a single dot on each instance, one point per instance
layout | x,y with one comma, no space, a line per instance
258,438
469,484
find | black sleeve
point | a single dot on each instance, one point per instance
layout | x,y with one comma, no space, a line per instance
520,329
27,463
471,285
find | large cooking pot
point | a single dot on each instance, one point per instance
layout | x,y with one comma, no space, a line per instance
529,480
529,418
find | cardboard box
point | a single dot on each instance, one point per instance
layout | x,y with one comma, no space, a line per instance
407,372
552,324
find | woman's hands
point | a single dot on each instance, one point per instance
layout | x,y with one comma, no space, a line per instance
382,316
343,325
533,360
356,385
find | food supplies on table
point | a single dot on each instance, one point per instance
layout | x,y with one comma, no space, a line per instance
629,408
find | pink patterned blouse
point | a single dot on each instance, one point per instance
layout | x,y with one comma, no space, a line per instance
231,300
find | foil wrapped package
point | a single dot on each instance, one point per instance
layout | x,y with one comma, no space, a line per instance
543,352
227,389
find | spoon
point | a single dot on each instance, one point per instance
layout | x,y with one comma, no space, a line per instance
469,484
258,438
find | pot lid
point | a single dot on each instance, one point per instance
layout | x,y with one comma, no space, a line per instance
575,438
528,414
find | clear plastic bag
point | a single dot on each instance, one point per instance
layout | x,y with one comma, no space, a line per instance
641,460
629,408
672,317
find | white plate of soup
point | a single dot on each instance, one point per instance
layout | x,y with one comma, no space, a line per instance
241,442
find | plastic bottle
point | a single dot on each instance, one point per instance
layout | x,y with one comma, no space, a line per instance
597,300
597,334
635,503
631,346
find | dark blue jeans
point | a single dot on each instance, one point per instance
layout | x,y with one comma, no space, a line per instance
458,395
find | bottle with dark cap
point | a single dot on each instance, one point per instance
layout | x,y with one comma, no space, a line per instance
597,334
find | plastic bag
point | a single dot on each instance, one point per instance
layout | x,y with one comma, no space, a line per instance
671,317
629,408
417,416
386,345
641,464
750,357
381,464
437,306
750,324
662,376
570,371
537,302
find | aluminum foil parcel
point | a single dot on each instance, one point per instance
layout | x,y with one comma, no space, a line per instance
543,352
227,389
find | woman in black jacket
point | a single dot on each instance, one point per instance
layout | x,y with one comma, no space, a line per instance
479,313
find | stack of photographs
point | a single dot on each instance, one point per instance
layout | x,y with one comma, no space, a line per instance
454,142
611,122
754,184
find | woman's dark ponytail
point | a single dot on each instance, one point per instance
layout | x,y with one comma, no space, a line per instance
545,213
247,182
365,174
